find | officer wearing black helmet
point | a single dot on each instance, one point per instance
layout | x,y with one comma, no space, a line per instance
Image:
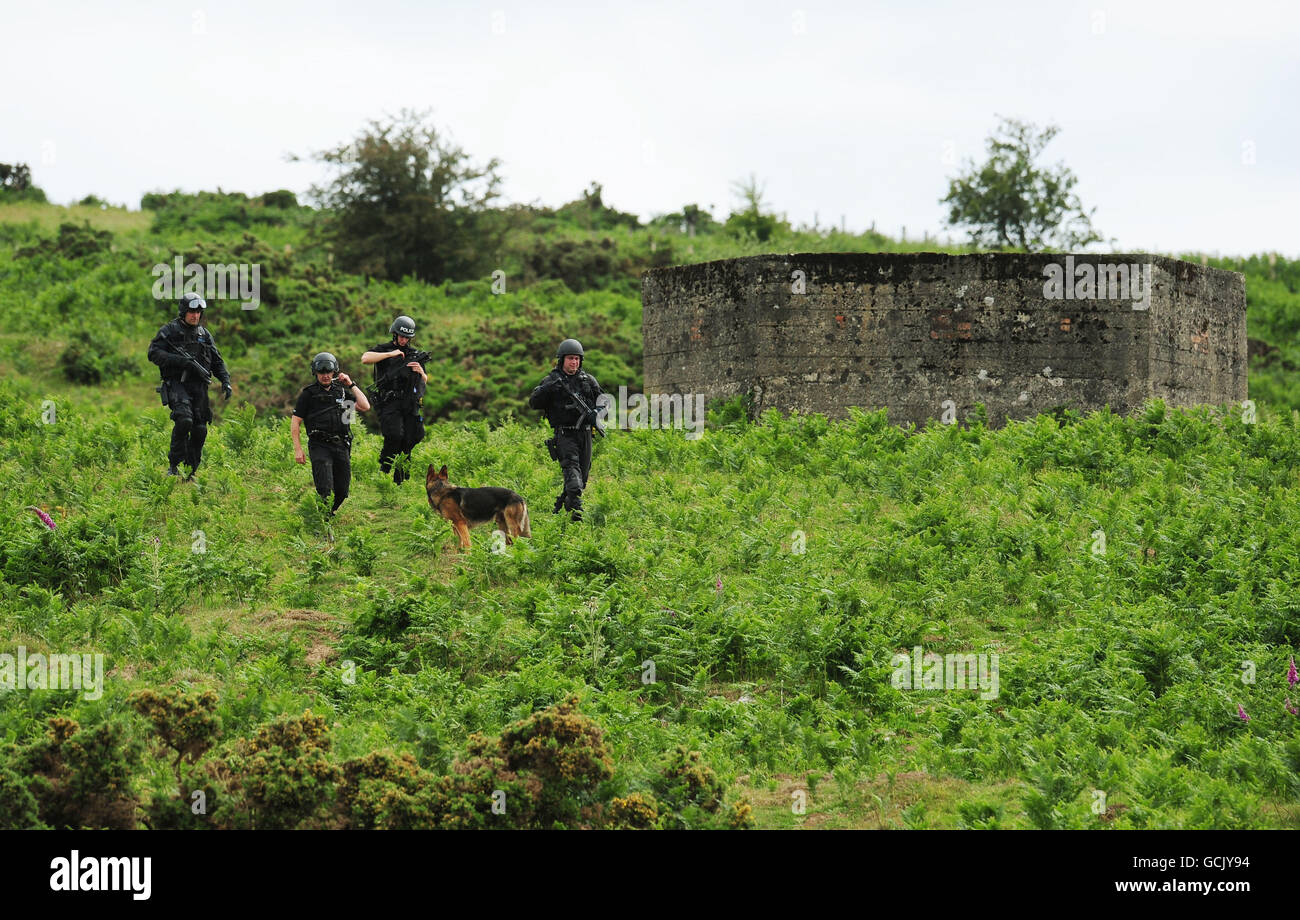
188,359
326,409
400,382
569,397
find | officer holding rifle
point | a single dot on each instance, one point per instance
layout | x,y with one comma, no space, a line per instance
188,359
400,382
570,398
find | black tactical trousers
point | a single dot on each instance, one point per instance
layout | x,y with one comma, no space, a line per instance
331,468
403,428
574,447
191,413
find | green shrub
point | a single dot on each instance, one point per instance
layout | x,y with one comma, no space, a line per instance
93,360
72,242
78,778
88,553
281,778
691,796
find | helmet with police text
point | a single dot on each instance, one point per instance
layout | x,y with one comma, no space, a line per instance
324,363
403,325
191,301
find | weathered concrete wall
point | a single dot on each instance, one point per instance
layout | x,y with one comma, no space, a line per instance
819,332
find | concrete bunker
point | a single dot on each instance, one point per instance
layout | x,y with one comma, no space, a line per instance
924,333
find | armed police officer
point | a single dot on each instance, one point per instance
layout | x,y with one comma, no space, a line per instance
569,397
188,359
326,409
400,383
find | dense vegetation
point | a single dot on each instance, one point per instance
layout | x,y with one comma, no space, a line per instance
299,681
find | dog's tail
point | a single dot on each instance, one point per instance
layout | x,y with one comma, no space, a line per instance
524,528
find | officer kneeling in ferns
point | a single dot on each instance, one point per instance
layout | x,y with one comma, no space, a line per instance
188,359
326,407
570,398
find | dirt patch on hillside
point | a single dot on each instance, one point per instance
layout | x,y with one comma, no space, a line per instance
319,630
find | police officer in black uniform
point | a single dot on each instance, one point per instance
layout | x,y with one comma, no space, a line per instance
188,359
400,383
562,395
326,409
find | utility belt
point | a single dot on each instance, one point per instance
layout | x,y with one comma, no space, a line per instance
552,444
320,436
171,390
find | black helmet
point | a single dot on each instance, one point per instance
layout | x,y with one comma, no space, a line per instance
324,363
403,325
569,347
191,301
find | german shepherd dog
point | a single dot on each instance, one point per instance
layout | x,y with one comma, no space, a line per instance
467,508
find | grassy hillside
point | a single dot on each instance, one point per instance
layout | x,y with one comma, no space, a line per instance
572,271
1120,671
765,576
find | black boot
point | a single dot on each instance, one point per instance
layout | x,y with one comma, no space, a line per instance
172,471
574,504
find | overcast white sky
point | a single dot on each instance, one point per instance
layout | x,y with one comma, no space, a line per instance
1179,119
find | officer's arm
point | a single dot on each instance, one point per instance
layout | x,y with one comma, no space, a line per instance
294,424
161,353
374,357
596,390
541,397
218,365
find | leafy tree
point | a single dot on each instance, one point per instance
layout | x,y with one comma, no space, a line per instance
752,220
16,177
16,184
406,201
690,220
1010,202
591,212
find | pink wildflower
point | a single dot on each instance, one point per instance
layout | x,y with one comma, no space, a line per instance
1292,677
45,518
1241,713
1291,709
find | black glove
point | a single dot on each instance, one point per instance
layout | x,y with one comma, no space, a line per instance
225,389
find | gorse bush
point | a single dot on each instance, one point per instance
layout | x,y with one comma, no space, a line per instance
550,770
72,778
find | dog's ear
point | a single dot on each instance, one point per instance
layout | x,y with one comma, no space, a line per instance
430,477
442,473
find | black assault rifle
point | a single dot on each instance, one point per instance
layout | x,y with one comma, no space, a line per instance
388,384
194,367
591,416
